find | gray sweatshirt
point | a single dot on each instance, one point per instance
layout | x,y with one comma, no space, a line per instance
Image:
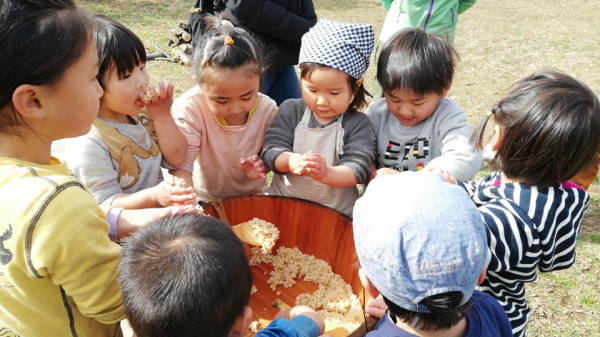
358,137
442,140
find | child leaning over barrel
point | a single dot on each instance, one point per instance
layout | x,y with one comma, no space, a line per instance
547,129
321,146
203,286
425,259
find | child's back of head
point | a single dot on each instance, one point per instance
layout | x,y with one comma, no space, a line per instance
422,244
548,128
183,276
416,62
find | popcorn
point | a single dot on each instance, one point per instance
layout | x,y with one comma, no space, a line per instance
266,233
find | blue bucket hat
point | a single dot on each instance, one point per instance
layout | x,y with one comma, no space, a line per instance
418,236
343,46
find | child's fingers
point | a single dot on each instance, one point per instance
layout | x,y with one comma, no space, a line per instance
170,89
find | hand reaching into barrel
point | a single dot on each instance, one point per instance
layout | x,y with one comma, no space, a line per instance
253,167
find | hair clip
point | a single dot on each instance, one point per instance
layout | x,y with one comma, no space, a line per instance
228,40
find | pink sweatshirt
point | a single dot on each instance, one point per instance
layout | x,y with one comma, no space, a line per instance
214,150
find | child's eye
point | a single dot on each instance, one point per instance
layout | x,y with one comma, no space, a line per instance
419,103
247,98
126,76
221,102
334,93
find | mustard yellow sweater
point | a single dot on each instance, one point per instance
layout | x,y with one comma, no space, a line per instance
58,268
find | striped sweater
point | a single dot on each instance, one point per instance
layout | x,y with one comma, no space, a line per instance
529,229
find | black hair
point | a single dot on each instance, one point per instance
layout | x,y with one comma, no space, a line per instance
117,47
212,51
41,40
416,61
445,311
359,92
551,129
185,275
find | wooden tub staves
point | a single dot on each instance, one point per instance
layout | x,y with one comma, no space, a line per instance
315,229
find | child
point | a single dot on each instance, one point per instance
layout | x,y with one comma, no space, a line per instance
322,146
120,158
547,129
189,276
416,125
224,117
425,259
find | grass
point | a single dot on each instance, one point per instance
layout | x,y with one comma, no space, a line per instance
498,42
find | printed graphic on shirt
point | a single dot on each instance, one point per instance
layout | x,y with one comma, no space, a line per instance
122,150
412,156
6,332
5,254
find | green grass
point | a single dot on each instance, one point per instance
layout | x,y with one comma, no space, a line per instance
498,43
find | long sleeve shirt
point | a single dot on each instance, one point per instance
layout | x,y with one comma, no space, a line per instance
529,229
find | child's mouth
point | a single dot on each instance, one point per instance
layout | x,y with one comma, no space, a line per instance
138,103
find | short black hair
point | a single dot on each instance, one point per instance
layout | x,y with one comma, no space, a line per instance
445,309
211,50
41,40
415,61
360,99
185,275
551,129
117,47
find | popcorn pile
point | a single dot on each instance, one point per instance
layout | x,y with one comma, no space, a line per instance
334,298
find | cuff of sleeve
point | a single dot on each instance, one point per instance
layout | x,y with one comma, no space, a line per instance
112,217
305,326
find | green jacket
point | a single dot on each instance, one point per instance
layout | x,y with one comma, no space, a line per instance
433,16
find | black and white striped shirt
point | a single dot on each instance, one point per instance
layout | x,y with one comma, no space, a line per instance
528,229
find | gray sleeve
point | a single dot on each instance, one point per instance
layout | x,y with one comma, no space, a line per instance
89,160
375,113
458,157
280,135
358,144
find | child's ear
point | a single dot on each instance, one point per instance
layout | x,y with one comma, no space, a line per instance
242,322
360,82
364,279
496,140
26,100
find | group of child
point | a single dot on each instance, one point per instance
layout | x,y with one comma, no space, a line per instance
220,139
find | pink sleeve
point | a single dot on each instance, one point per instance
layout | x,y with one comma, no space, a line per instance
187,117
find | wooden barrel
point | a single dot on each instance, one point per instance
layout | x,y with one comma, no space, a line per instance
313,228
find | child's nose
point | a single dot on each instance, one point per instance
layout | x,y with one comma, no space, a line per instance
321,100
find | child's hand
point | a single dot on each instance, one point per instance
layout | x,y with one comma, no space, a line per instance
376,307
384,171
447,177
254,167
172,194
295,164
315,165
159,103
174,210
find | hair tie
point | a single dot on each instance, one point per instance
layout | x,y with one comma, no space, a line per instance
491,113
226,23
228,40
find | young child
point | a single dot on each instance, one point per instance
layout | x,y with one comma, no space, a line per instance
547,129
322,146
120,158
425,259
416,125
224,117
189,276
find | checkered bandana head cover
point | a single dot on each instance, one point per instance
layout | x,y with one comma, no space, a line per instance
343,46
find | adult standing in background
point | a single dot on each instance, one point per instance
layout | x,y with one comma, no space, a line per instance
278,26
433,16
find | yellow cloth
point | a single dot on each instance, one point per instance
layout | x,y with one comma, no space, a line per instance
58,270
